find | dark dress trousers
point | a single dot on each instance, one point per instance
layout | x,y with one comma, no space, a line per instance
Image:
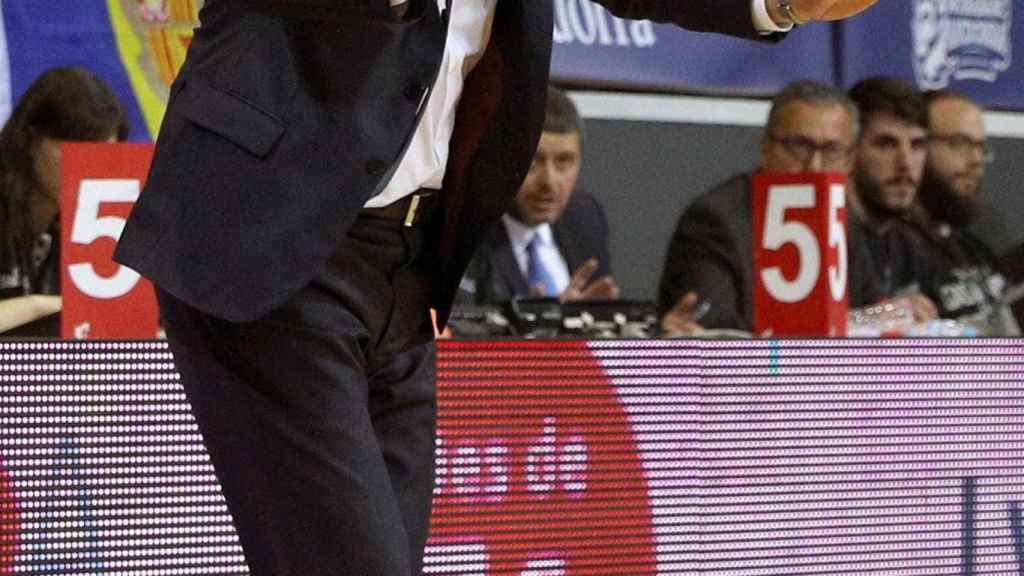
581,233
299,326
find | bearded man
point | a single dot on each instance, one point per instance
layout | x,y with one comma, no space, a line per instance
966,282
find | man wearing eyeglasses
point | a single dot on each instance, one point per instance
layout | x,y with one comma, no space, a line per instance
967,283
810,129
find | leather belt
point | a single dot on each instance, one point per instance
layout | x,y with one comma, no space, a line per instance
412,210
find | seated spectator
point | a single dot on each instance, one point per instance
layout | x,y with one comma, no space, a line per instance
62,104
966,282
553,242
710,257
888,162
1012,263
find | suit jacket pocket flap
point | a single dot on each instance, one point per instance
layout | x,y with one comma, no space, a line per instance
231,116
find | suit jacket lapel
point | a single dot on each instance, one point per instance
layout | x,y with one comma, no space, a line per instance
497,126
506,267
568,245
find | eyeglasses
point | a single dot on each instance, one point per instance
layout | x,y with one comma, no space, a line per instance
965,145
803,149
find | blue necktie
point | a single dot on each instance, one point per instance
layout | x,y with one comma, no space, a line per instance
536,273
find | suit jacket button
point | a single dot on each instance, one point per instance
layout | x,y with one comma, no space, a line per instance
376,167
414,91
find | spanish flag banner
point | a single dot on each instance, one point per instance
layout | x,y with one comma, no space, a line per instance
135,45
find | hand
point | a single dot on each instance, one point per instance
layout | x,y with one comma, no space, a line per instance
440,334
845,8
679,320
922,306
808,10
400,7
581,288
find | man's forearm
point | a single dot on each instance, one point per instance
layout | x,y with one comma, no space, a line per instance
732,17
19,311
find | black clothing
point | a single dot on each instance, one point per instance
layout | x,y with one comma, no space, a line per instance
319,417
964,279
885,257
33,271
1012,263
288,115
36,271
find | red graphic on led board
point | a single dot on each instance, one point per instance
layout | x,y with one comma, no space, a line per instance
549,482
10,526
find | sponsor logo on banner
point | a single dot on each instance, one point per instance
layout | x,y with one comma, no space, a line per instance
584,22
961,40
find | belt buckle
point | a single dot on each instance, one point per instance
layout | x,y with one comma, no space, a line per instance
410,213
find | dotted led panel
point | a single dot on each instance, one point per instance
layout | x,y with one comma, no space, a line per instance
103,467
567,459
730,458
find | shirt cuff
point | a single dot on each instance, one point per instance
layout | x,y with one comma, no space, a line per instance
762,21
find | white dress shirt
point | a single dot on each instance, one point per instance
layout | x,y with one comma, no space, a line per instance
469,30
423,166
551,259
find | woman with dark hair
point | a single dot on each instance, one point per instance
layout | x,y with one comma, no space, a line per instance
63,104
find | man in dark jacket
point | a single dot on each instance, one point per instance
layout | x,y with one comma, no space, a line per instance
810,128
553,241
324,172
888,163
1012,262
966,281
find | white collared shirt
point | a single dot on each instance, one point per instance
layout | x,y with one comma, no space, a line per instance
520,235
469,30
423,166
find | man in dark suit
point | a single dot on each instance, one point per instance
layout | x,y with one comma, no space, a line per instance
810,128
553,241
324,172
888,163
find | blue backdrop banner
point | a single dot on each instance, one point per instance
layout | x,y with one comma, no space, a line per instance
592,47
967,45
138,45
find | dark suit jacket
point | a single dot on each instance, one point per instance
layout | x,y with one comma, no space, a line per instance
1012,261
712,254
581,233
289,114
961,273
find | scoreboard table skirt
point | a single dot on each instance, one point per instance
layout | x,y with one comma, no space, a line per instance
567,458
